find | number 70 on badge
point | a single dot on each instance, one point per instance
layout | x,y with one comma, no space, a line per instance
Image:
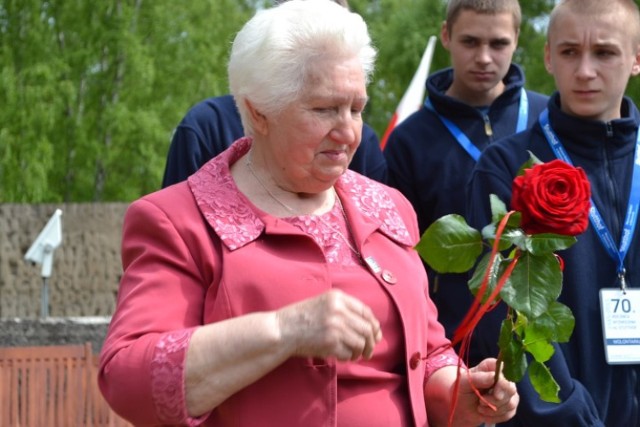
620,312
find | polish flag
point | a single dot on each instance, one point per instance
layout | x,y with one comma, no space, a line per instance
414,96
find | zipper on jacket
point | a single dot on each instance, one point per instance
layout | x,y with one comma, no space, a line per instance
614,228
487,125
609,129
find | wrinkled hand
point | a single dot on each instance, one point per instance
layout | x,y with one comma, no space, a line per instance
331,324
503,396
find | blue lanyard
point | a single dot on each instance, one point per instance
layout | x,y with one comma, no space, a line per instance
618,254
464,141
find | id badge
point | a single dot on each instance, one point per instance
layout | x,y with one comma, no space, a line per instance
621,325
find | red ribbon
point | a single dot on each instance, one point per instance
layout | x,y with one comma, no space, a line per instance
478,309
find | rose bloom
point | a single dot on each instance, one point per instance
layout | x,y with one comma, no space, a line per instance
553,197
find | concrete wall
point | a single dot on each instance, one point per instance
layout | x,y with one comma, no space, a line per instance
54,331
86,267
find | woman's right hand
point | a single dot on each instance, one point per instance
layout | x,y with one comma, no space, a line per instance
225,357
331,324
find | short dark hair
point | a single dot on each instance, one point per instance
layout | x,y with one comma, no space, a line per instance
489,7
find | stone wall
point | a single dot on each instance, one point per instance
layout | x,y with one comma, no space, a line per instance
86,267
54,331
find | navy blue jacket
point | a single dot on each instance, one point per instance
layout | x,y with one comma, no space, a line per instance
426,163
593,392
212,125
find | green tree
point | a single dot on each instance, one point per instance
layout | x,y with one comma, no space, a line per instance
400,30
26,149
92,91
530,52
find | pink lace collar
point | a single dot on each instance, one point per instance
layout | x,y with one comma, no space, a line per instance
236,222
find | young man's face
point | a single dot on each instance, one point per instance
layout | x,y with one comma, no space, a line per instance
591,59
481,48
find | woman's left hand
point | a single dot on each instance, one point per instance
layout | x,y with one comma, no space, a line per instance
498,403
503,396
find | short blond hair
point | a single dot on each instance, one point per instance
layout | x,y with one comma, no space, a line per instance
628,8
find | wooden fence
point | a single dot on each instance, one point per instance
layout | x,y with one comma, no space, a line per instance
52,386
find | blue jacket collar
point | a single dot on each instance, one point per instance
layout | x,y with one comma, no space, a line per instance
438,83
589,138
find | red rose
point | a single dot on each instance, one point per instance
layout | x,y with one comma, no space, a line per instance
553,197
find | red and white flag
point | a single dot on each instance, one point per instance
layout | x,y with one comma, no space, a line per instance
414,96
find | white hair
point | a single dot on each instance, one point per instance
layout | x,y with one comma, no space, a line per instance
273,53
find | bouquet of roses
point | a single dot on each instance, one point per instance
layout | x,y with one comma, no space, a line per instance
551,203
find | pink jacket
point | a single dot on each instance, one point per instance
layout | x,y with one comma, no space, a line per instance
190,255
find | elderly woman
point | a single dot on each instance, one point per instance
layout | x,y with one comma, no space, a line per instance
275,287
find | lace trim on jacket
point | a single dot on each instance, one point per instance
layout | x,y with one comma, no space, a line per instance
167,378
236,222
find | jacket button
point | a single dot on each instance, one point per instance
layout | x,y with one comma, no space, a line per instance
415,360
388,277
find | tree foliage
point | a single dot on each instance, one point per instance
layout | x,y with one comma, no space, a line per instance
91,91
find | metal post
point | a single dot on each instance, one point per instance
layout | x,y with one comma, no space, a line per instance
44,303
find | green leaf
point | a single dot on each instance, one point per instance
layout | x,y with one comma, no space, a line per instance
543,382
536,342
499,264
489,233
513,223
513,357
542,243
506,333
557,323
520,323
533,160
512,237
520,240
514,220
450,245
498,208
536,281
511,233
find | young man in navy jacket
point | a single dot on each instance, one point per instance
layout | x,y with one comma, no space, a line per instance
212,125
478,100
593,48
